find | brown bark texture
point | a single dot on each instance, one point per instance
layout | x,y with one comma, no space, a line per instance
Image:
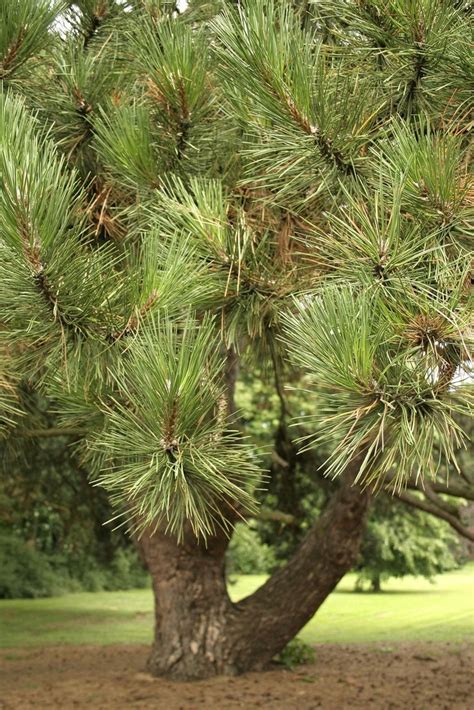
200,632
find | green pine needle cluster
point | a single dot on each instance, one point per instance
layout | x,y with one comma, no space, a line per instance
273,182
168,453
383,385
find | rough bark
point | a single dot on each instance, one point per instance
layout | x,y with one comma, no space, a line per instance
278,610
192,607
201,633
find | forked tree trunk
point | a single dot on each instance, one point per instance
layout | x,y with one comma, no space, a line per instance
200,633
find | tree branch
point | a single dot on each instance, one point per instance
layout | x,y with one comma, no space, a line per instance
461,487
277,516
296,590
440,502
458,490
48,433
433,509
279,387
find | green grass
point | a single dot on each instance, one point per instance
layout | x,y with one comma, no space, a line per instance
409,610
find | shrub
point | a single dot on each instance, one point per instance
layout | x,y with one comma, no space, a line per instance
126,571
247,554
25,572
295,653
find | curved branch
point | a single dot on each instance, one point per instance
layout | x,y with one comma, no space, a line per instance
457,490
433,509
296,590
467,477
440,502
461,487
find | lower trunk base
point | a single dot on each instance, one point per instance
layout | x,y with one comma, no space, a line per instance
192,608
200,633
187,665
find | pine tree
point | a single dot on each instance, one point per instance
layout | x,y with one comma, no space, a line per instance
258,182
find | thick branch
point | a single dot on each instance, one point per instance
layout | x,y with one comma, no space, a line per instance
271,616
458,490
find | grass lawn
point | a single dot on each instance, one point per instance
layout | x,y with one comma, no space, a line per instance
408,610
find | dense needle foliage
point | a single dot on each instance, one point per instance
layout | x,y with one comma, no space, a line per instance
280,183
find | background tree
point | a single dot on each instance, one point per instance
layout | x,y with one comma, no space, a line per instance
400,541
51,516
256,182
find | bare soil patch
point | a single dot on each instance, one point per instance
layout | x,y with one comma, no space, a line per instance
406,676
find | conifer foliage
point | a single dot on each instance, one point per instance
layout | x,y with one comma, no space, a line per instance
279,182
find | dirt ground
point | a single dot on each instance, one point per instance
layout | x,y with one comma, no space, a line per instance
409,676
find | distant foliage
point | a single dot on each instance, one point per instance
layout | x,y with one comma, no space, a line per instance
247,554
28,573
52,517
400,542
25,572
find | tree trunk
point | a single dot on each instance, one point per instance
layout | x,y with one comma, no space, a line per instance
200,633
375,583
192,607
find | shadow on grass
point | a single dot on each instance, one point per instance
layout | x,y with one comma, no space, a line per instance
386,593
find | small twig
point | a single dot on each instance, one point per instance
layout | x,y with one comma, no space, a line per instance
48,433
276,516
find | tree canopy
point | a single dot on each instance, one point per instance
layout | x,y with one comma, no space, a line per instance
285,182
